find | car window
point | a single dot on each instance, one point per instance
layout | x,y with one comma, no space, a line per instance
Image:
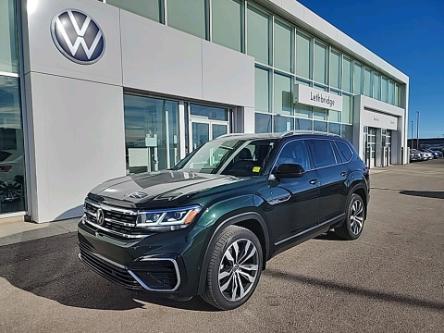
322,153
294,152
250,160
344,151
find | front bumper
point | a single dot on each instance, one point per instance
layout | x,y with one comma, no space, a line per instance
160,263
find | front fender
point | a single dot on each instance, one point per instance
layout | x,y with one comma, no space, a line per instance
228,212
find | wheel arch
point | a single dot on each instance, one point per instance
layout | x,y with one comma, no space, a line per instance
361,190
252,221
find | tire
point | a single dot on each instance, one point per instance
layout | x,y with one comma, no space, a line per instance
353,225
241,274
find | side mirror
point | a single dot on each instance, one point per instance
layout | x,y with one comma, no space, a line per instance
289,171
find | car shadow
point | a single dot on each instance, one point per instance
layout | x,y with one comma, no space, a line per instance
331,236
50,268
425,194
356,290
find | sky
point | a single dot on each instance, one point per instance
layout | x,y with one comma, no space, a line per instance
408,34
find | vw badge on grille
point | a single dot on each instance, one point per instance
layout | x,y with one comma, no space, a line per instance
100,217
138,195
78,37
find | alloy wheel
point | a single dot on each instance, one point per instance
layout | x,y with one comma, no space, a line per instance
357,217
238,270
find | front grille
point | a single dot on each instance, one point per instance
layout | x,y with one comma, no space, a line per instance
108,270
118,222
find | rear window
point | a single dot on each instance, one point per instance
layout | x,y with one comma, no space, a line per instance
323,154
344,151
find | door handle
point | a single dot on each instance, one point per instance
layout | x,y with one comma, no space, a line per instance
313,181
344,173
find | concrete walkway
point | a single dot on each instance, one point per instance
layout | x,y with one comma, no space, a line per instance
16,232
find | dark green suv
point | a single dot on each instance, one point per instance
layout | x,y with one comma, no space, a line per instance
208,226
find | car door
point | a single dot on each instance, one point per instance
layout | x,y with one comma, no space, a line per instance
332,176
293,202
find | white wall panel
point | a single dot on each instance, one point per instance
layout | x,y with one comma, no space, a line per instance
78,141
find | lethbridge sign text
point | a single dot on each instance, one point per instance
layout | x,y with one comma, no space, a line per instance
318,98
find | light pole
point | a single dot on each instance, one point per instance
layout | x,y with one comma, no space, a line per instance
417,129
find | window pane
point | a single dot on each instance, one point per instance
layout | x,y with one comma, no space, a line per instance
283,124
357,72
262,123
320,114
347,132
209,112
334,67
283,94
262,93
303,111
151,133
376,86
319,68
294,153
304,125
8,37
323,154
188,16
334,116
12,175
367,77
282,46
346,115
227,23
384,89
147,8
258,35
320,126
334,128
391,92
302,56
397,101
219,130
346,74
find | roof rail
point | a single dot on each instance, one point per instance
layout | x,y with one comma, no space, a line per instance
290,133
230,134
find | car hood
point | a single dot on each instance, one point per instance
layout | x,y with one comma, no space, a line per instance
162,187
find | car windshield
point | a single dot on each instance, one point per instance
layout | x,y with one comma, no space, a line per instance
236,157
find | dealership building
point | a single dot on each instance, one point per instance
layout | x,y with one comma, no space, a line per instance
91,90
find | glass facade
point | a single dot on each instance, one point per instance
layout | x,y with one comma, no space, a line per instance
12,159
258,34
282,46
284,55
227,18
303,55
189,16
252,29
151,133
8,37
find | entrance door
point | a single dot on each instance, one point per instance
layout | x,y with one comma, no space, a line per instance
207,123
371,146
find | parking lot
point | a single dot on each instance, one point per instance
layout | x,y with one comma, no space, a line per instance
391,279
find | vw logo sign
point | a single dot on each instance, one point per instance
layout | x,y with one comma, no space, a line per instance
100,217
78,37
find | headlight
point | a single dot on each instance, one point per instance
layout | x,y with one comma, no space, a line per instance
167,219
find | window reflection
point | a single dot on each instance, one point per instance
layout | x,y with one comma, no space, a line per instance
12,169
152,133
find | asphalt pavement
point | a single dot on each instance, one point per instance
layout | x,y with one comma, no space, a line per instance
390,280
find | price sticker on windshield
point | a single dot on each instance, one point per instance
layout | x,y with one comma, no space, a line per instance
256,169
